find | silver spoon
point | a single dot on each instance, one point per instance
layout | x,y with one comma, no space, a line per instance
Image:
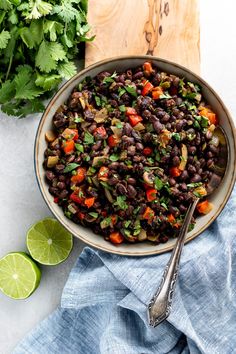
160,305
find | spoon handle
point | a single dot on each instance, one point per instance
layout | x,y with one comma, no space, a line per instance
160,305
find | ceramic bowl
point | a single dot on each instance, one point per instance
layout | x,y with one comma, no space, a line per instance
218,198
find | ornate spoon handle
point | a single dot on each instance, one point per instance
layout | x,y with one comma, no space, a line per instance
160,305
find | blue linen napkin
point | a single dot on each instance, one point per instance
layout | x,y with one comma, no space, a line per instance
103,305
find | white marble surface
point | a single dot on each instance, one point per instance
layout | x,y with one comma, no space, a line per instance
21,203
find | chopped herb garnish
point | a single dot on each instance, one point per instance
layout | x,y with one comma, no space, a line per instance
106,185
105,222
122,108
81,194
79,147
68,214
137,210
127,232
87,158
93,214
127,223
121,91
114,157
204,122
196,124
109,79
98,101
119,125
157,156
78,119
131,90
120,202
158,183
88,138
150,160
164,206
196,184
176,136
70,167
190,227
165,95
91,171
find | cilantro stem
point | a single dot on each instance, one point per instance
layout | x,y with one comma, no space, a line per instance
9,67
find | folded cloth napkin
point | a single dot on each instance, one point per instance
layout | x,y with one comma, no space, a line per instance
104,303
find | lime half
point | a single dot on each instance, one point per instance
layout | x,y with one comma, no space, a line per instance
49,242
19,275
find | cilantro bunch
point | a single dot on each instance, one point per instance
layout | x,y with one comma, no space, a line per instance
39,41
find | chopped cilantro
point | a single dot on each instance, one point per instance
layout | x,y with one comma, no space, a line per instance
131,90
98,101
150,160
157,156
114,157
158,183
190,227
88,138
121,91
176,136
78,119
165,95
70,167
105,222
93,214
106,185
127,232
122,108
164,205
127,223
79,147
119,125
110,79
196,184
120,202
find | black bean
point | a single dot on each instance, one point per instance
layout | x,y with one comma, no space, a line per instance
53,190
59,168
131,180
192,149
184,175
176,161
127,129
50,175
182,208
131,150
127,140
196,178
214,149
88,115
209,154
191,168
138,75
172,181
61,185
92,127
179,126
139,146
174,151
70,158
183,187
158,126
146,114
210,163
131,191
59,120
97,145
114,165
136,136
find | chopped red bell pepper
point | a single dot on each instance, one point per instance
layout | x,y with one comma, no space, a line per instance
56,200
147,151
104,213
130,111
113,140
69,146
134,119
81,215
89,202
70,134
151,194
116,237
175,172
103,173
80,176
75,197
147,88
101,131
171,218
147,67
157,92
148,213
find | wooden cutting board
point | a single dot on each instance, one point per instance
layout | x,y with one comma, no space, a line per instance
167,29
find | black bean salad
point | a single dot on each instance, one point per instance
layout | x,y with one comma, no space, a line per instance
129,151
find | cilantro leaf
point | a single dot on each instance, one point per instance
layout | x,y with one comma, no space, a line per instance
93,214
105,222
25,86
5,5
120,202
88,138
65,11
176,136
38,9
7,91
4,38
54,28
48,55
131,90
158,183
114,157
70,167
47,81
67,69
79,147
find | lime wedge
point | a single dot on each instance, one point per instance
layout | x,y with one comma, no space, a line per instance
19,275
49,242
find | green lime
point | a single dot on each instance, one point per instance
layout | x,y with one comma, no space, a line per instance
19,275
49,242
